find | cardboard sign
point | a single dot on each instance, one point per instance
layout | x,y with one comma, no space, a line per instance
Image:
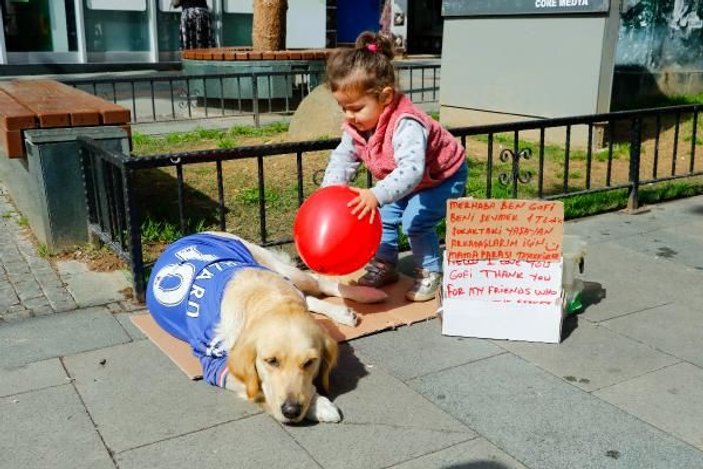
503,270
504,229
504,281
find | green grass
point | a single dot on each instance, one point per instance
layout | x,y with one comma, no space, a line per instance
165,232
43,250
215,138
250,196
601,202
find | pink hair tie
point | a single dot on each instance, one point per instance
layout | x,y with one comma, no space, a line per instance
372,48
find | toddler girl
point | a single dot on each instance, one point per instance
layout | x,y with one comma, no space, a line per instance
417,163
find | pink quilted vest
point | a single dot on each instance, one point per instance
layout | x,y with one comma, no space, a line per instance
444,154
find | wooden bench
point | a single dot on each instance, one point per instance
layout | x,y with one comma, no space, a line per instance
31,104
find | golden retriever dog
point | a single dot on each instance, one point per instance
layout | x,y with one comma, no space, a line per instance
245,311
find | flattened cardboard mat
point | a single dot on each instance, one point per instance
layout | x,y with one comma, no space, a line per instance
393,312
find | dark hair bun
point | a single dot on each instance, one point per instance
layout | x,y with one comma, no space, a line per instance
375,43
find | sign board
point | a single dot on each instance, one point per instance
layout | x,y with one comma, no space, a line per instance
467,8
503,269
504,229
504,281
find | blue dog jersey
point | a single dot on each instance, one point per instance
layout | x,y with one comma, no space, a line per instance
185,291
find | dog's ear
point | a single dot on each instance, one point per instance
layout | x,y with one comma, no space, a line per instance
330,352
242,364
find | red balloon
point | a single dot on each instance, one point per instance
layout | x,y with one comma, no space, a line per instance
329,239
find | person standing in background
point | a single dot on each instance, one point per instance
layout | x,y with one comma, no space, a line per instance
196,32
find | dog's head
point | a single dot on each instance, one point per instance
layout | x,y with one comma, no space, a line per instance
280,359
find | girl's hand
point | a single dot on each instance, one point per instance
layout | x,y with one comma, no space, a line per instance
364,203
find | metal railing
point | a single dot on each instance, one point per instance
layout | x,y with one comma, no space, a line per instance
167,97
545,159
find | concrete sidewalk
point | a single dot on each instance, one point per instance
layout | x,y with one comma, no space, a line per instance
81,387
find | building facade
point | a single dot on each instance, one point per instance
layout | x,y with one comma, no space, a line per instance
134,31
146,31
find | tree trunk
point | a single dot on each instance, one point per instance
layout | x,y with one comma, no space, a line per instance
269,28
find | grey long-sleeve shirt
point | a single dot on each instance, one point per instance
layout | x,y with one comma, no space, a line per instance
409,149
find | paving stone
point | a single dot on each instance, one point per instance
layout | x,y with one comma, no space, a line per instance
663,398
477,453
420,348
255,442
60,299
9,250
47,278
7,297
129,327
28,288
671,244
674,328
592,357
14,313
62,437
381,399
620,225
544,422
17,270
90,288
38,306
137,396
23,342
370,446
38,265
625,291
64,306
610,227
71,267
37,375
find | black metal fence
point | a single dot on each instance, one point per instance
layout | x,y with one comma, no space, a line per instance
168,97
256,190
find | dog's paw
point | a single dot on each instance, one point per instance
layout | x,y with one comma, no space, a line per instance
362,294
347,316
323,410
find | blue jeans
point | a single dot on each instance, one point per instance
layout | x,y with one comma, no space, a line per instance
418,213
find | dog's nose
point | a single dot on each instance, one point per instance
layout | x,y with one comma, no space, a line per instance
291,409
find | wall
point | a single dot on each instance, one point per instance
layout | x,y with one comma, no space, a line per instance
660,49
526,66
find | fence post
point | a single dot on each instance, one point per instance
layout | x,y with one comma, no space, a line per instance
134,235
635,149
255,99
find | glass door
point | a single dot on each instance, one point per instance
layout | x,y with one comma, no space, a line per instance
39,31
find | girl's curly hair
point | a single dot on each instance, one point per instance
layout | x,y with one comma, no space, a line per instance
367,68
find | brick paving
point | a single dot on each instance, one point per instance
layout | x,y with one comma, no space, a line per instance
29,285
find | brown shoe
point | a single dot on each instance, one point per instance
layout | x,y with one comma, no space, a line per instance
378,274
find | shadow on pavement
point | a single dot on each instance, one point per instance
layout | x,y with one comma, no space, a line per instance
348,372
592,294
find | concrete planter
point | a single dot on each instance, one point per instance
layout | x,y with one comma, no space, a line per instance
47,186
290,64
